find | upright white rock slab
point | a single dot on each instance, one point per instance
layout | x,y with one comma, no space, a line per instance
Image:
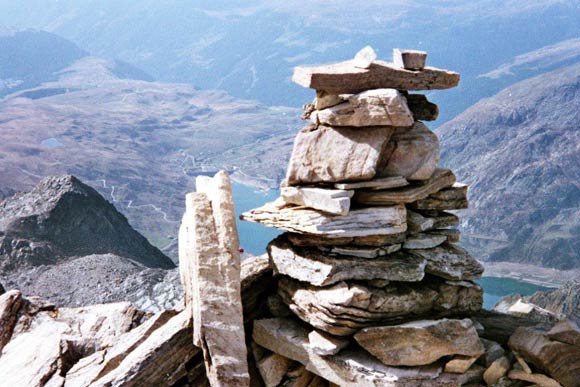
379,107
210,268
333,201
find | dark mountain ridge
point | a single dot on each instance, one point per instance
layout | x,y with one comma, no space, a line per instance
62,218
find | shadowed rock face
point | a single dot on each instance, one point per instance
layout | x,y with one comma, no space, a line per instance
519,152
62,218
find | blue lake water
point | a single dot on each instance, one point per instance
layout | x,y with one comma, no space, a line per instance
254,238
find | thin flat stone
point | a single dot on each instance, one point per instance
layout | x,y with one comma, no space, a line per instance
451,234
423,241
537,379
333,201
451,262
452,198
367,241
379,107
344,308
324,154
362,252
317,268
411,152
441,178
409,59
346,78
417,223
347,368
382,183
441,219
363,222
460,364
323,344
421,342
10,303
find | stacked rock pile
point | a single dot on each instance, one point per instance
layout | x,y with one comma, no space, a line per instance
372,289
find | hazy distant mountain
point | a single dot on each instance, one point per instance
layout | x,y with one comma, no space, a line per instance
139,143
28,58
250,49
520,151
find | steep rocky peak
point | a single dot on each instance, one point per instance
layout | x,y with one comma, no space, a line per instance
63,217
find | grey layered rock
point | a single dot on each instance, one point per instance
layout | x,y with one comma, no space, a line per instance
422,109
210,268
423,241
442,219
409,59
560,360
493,351
317,268
336,154
363,222
347,368
452,198
273,368
566,331
346,78
344,308
382,183
440,179
421,342
333,201
451,262
451,234
324,344
417,223
366,241
411,152
365,57
379,107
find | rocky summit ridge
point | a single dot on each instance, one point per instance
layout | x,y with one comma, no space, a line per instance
63,218
367,287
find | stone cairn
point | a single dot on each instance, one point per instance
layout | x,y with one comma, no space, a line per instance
372,289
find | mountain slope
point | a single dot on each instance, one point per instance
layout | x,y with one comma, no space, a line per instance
139,143
520,151
63,218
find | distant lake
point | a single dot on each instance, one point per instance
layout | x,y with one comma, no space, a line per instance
254,237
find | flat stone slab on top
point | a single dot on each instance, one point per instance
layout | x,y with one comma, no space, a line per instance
363,222
346,78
